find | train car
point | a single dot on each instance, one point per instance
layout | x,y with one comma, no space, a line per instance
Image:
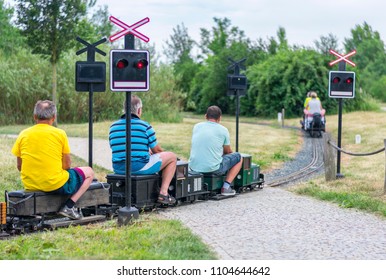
25,212
248,178
315,126
186,186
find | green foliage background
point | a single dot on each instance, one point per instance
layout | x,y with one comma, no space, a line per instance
279,75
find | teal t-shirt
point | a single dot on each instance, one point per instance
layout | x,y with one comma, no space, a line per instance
206,152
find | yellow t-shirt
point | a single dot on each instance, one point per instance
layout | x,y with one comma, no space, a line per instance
41,148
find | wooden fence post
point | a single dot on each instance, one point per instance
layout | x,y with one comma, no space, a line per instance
329,155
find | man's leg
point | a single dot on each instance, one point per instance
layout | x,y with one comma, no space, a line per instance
168,167
68,209
231,164
232,173
89,176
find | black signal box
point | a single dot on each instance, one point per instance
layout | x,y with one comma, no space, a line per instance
237,82
341,84
87,73
129,70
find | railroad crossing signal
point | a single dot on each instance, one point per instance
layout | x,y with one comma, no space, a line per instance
89,72
129,29
341,84
237,83
342,57
129,70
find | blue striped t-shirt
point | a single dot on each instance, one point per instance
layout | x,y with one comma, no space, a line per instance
142,138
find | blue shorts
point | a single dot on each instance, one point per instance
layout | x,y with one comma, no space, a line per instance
228,161
151,167
73,183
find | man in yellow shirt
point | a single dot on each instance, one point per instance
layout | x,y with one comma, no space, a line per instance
44,162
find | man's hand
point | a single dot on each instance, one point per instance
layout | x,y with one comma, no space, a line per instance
157,149
227,149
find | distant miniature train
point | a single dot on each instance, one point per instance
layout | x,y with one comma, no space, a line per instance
314,125
24,212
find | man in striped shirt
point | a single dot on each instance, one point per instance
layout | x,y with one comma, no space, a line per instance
147,157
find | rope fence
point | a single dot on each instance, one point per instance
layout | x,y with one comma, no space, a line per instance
355,154
329,157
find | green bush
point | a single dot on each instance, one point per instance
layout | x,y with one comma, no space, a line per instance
26,78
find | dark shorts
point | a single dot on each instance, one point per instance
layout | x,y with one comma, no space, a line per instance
74,182
228,161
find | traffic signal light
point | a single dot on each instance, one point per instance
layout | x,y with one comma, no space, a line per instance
341,84
129,70
87,73
237,82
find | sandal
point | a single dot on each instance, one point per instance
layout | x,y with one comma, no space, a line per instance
166,199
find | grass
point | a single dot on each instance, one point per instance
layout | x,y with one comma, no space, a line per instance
148,238
151,237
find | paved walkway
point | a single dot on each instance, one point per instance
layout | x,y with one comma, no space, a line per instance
272,223
101,151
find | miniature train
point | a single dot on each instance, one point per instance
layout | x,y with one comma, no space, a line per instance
315,125
25,212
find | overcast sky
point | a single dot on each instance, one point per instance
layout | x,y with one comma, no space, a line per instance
304,20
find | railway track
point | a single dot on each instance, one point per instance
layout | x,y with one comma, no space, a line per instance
314,165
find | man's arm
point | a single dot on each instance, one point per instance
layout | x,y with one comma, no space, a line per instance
19,162
227,149
157,149
66,161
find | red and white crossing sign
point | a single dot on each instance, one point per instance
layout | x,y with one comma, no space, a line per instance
342,57
129,29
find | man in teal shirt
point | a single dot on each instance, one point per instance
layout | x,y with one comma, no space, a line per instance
211,150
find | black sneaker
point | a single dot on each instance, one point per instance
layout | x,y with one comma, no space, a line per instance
70,213
228,191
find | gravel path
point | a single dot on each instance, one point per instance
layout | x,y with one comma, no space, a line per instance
272,223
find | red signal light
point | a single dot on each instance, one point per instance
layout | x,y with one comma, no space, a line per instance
140,64
122,63
349,80
335,80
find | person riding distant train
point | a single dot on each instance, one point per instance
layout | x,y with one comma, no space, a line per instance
313,106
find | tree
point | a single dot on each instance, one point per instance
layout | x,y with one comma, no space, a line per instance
367,43
327,43
370,59
283,42
180,45
179,53
100,19
219,44
283,80
10,36
48,26
221,36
